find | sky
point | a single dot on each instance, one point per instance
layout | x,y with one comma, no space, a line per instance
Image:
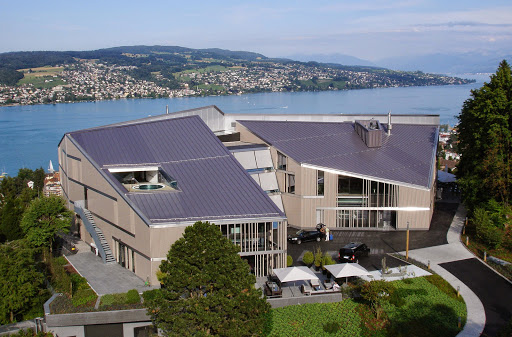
370,30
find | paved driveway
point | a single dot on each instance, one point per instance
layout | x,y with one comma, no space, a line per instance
494,292
382,242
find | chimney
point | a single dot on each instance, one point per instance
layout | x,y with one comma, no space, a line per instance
389,123
166,109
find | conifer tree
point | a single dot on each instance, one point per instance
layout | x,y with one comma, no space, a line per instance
207,288
485,132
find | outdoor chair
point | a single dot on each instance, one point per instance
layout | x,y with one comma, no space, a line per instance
305,289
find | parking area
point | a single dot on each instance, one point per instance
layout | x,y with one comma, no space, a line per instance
382,242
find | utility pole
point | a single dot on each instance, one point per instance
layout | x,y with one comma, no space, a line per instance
407,243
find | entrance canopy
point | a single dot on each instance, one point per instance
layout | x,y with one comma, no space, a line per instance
294,274
346,270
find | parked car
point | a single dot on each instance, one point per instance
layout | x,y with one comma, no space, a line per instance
353,251
303,236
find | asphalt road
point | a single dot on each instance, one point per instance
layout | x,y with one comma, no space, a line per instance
382,242
494,292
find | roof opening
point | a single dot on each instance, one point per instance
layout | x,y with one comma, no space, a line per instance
139,179
370,132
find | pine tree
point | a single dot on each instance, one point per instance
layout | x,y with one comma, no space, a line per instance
485,134
207,288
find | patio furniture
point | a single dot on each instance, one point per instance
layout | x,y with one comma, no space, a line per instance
328,284
315,284
272,289
305,289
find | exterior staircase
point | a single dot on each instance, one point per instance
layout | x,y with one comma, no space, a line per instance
95,232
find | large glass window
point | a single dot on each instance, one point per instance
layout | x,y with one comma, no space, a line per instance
291,183
281,161
320,183
350,185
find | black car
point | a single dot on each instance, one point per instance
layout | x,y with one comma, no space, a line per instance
353,251
303,236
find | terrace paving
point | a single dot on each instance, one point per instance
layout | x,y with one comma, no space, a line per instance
105,278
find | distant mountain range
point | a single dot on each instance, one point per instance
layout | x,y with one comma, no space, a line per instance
332,58
433,63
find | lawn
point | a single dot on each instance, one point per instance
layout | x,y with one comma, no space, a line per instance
42,77
419,308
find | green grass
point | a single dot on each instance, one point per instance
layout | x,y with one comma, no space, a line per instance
42,77
423,310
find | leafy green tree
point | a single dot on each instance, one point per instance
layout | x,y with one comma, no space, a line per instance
43,219
376,293
11,213
485,136
21,285
207,289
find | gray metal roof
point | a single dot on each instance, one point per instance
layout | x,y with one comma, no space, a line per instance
212,184
406,156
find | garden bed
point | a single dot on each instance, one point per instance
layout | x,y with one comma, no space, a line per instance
425,306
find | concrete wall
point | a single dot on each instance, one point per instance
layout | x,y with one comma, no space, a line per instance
65,325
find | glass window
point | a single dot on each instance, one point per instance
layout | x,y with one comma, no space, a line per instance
281,161
320,183
343,185
291,183
350,185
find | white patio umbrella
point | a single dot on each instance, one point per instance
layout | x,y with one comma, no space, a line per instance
346,270
294,274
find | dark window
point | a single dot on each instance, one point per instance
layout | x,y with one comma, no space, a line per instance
101,330
350,185
320,183
144,331
291,183
281,161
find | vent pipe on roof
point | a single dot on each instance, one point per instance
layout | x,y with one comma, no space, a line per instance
389,123
166,109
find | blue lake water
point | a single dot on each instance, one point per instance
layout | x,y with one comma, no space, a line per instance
29,135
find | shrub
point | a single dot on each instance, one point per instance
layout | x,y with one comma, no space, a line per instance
107,299
485,228
133,297
61,261
150,295
308,258
327,260
60,279
318,257
83,297
79,282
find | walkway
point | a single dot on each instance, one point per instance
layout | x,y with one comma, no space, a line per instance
105,278
456,264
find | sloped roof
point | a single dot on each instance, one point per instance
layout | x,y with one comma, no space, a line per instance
212,184
406,156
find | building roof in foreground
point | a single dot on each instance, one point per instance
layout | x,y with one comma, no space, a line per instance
212,185
407,156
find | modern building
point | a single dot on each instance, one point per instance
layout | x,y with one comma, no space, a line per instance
136,185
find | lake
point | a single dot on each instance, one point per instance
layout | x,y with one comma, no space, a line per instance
29,135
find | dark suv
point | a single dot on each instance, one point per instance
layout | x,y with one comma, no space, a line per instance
303,236
353,251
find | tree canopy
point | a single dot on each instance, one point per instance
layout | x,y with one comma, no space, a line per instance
485,137
21,285
43,219
207,289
